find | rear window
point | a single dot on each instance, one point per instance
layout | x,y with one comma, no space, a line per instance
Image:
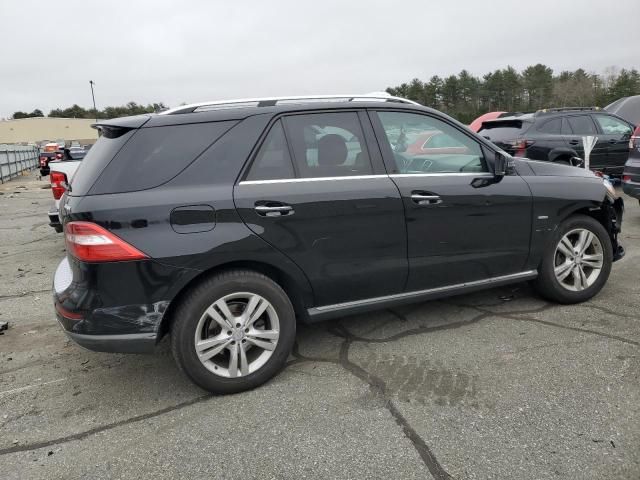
151,156
503,130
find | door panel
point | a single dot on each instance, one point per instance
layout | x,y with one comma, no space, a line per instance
336,213
583,126
469,233
348,235
614,136
462,224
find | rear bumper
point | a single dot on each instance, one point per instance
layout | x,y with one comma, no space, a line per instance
632,189
132,343
114,307
54,220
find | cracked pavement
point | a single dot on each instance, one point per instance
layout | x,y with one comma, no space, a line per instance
496,384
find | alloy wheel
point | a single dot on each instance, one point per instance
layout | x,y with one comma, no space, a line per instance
578,261
237,334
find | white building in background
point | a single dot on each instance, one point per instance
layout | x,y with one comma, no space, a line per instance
39,129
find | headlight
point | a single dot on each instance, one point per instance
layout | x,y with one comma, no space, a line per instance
610,190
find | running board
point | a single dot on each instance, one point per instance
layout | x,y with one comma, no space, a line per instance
325,312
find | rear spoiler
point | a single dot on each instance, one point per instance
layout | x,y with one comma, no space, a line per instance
116,127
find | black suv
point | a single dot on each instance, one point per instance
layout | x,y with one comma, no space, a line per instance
222,224
555,135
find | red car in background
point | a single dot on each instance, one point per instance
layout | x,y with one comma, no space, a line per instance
435,142
477,123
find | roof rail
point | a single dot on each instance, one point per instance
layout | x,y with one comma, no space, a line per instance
272,101
565,109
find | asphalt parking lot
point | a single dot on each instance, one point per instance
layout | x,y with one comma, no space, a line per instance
498,384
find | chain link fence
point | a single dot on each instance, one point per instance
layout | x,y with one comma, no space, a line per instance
15,159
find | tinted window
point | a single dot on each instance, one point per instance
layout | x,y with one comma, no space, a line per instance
404,130
96,159
328,145
273,160
552,126
503,130
566,128
612,126
582,125
155,155
440,140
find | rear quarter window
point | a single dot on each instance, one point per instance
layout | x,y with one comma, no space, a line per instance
154,155
503,130
97,158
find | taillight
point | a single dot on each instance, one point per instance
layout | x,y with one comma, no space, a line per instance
89,242
58,156
43,161
520,146
634,141
58,184
626,178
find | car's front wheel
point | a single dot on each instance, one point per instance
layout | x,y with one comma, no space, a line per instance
233,332
577,263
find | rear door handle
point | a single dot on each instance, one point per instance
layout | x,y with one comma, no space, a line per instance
425,198
274,210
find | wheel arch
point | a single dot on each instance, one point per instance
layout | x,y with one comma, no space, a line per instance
299,298
561,152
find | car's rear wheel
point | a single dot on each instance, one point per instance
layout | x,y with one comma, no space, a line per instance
577,263
233,332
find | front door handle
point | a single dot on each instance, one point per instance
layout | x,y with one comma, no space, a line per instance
574,142
426,199
274,210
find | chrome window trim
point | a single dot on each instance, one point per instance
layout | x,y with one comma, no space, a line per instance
419,293
364,177
311,179
442,174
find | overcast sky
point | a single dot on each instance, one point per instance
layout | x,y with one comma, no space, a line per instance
186,51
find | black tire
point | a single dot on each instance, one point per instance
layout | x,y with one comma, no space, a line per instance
548,285
195,303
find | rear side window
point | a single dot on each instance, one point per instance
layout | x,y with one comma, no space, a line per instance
273,160
503,130
155,155
553,126
328,145
582,125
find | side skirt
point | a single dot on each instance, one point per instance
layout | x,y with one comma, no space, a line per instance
325,312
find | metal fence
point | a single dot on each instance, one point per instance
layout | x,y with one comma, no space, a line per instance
15,159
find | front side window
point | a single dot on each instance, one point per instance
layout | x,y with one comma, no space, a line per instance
406,131
582,125
328,145
612,126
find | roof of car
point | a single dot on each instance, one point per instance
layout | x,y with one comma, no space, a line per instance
236,110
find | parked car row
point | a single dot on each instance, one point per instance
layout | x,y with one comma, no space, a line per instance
555,135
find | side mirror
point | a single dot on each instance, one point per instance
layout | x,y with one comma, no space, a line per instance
500,165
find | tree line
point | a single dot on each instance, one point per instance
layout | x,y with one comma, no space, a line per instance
76,111
466,96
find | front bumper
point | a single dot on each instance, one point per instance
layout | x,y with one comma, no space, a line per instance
113,307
